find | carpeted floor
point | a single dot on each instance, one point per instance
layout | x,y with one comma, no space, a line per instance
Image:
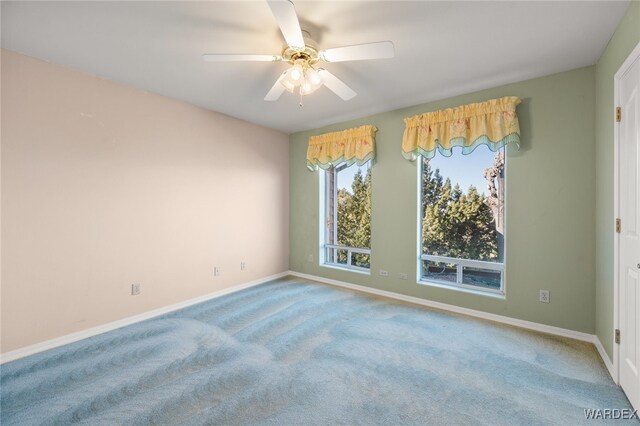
292,352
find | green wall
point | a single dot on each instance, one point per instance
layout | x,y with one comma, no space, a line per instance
625,38
550,205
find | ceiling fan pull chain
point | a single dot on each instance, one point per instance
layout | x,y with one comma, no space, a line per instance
300,103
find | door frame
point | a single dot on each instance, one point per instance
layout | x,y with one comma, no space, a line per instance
631,59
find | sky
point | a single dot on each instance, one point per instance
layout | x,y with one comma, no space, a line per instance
465,170
345,177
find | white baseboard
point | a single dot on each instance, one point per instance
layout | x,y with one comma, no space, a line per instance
557,331
529,325
605,358
79,335
74,337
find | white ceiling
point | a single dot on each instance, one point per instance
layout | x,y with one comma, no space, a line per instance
442,49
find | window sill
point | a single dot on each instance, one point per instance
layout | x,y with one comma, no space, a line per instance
493,294
344,268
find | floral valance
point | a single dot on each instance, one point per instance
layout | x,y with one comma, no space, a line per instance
349,146
493,123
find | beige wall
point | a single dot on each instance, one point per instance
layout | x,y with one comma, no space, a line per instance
104,185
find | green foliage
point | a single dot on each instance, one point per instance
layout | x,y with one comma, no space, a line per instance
354,217
454,223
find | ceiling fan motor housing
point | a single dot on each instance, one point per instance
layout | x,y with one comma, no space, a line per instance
309,53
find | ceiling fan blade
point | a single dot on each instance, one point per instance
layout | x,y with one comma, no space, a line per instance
285,14
336,85
215,57
277,89
358,52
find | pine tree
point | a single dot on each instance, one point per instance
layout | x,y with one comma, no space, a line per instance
346,222
431,184
454,223
362,201
354,218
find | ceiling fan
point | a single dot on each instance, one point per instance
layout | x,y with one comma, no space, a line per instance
303,54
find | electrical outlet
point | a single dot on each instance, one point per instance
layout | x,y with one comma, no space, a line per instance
216,271
310,258
403,276
135,289
544,296
243,266
384,273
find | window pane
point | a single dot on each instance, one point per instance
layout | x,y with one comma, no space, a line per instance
347,218
485,278
353,195
463,205
438,271
361,260
342,256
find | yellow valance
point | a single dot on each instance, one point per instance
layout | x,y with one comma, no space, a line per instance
349,146
493,123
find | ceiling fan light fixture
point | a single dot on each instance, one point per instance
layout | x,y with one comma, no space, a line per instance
287,83
296,74
301,75
313,77
307,88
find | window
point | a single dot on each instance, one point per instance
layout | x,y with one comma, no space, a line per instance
462,220
347,217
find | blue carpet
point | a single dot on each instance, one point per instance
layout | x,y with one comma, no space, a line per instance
290,352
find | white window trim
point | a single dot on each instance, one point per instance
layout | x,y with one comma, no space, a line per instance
460,263
349,250
460,287
463,288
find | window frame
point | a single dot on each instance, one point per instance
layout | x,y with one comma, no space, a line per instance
329,229
460,263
